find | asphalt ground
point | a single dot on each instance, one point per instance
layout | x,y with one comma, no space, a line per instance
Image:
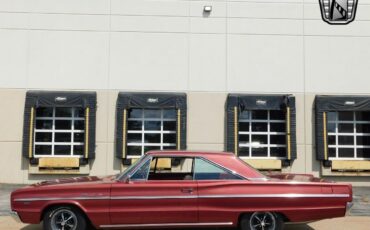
358,219
345,223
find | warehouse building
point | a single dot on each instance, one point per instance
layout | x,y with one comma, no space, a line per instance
87,87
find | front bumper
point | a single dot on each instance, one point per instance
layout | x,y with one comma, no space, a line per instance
15,216
349,206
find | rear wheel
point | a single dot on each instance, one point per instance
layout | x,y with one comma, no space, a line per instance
261,221
64,218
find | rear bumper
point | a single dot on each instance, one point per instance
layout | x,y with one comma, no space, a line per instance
15,216
349,206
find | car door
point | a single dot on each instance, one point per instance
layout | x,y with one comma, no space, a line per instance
216,190
144,200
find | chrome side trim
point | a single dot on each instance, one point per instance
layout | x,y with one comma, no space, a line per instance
287,195
152,197
166,225
62,198
15,216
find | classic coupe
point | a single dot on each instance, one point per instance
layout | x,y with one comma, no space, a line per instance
182,189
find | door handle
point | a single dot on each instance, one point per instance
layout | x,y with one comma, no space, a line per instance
187,190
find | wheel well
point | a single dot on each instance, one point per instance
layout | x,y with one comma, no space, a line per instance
52,206
285,219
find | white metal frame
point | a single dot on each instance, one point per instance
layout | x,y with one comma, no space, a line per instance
53,131
143,132
354,134
268,133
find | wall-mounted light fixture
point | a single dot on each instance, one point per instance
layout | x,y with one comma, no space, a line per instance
207,9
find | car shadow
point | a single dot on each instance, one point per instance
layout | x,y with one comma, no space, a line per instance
286,227
32,227
298,227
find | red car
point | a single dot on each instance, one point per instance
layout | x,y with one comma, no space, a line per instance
182,189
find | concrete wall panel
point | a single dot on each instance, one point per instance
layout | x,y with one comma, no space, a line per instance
13,58
68,60
149,61
253,64
207,70
11,165
150,7
150,24
11,115
264,26
244,46
56,6
339,65
206,118
273,10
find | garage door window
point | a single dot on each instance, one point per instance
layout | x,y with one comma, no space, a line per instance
342,125
150,129
59,131
261,127
149,121
348,135
59,124
262,134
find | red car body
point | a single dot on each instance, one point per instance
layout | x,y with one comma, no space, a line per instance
120,202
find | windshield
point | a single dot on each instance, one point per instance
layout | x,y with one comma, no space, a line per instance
129,169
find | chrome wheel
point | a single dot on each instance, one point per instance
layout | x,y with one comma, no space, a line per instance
262,221
64,219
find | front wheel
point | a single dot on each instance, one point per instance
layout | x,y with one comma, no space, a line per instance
261,221
64,218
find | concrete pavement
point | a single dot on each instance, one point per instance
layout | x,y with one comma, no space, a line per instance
345,223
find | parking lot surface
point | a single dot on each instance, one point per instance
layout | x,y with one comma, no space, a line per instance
345,223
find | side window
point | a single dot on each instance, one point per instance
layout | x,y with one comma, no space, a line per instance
171,168
204,170
142,172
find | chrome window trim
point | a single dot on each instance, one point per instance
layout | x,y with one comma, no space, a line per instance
167,225
194,157
139,167
287,195
172,156
133,171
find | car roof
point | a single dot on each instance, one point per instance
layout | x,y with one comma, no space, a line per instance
187,153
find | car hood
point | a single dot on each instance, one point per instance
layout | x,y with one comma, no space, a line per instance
74,180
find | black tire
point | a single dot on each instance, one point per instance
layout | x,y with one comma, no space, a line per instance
271,221
73,219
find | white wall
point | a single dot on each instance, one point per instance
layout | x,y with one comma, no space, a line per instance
264,46
170,45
